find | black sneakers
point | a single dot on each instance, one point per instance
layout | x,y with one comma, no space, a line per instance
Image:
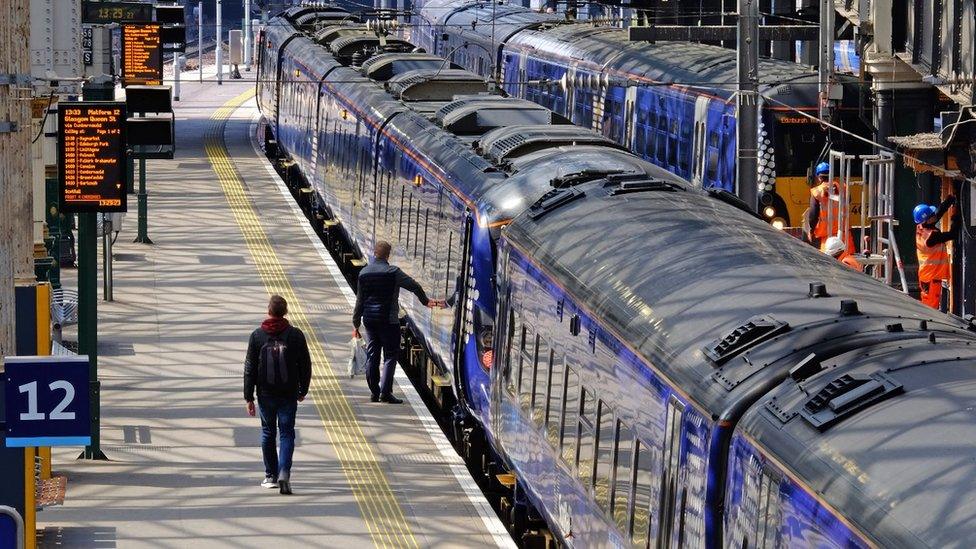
269,482
284,487
390,399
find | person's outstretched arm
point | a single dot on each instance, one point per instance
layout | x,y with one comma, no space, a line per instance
411,285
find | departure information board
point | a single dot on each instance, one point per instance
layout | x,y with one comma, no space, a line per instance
142,55
91,156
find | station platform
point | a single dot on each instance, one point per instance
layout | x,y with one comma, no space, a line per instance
184,465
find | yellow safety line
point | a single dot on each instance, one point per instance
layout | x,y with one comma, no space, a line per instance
384,518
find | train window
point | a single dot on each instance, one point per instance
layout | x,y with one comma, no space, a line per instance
670,461
403,200
450,250
673,143
768,510
409,222
711,161
513,346
623,477
416,231
643,486
586,431
684,156
528,367
543,367
570,416
662,139
389,187
604,455
556,384
423,255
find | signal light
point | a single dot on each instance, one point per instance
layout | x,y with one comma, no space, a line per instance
779,223
769,211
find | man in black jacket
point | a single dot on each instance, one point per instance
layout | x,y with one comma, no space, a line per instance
377,309
279,366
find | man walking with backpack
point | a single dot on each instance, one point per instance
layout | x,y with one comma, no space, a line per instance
278,365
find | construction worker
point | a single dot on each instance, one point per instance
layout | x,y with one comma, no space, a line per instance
816,219
930,245
817,212
835,248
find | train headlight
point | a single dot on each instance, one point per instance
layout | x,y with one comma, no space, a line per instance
779,223
769,211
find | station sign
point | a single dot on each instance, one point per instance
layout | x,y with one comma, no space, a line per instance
91,156
104,13
142,55
46,401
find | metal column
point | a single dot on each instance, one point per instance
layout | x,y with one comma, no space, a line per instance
200,39
747,103
220,53
247,35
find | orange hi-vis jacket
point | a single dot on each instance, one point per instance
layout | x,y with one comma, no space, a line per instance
820,232
933,262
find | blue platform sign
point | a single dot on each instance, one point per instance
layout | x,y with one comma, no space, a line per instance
46,401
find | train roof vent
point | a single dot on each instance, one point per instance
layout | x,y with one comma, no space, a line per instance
847,395
314,15
435,84
552,200
344,47
327,35
743,337
501,144
477,115
385,66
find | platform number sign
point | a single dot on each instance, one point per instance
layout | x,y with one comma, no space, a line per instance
46,401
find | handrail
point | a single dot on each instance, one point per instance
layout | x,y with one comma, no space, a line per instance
18,524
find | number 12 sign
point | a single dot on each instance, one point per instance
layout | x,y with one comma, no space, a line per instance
46,401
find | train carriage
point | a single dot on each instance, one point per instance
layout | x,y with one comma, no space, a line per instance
672,103
656,366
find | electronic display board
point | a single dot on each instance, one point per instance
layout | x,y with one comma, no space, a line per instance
104,13
142,55
91,156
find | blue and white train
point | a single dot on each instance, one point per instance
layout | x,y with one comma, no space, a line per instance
671,103
656,366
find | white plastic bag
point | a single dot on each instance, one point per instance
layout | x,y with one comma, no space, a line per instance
357,357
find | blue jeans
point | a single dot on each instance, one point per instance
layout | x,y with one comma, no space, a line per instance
385,337
277,413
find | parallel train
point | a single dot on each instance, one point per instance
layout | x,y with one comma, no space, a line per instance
656,366
672,103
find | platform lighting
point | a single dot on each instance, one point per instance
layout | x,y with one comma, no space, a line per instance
418,180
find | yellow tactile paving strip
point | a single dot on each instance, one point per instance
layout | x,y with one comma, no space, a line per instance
388,526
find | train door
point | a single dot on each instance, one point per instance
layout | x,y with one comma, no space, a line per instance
698,149
460,310
630,120
522,85
670,477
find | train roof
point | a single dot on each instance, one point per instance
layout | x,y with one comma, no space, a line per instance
715,299
691,64
885,435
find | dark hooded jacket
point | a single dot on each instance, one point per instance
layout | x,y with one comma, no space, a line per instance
298,359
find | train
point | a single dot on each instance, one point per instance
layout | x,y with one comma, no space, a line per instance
672,103
653,363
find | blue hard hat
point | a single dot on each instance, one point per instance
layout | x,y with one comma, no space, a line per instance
923,212
823,168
